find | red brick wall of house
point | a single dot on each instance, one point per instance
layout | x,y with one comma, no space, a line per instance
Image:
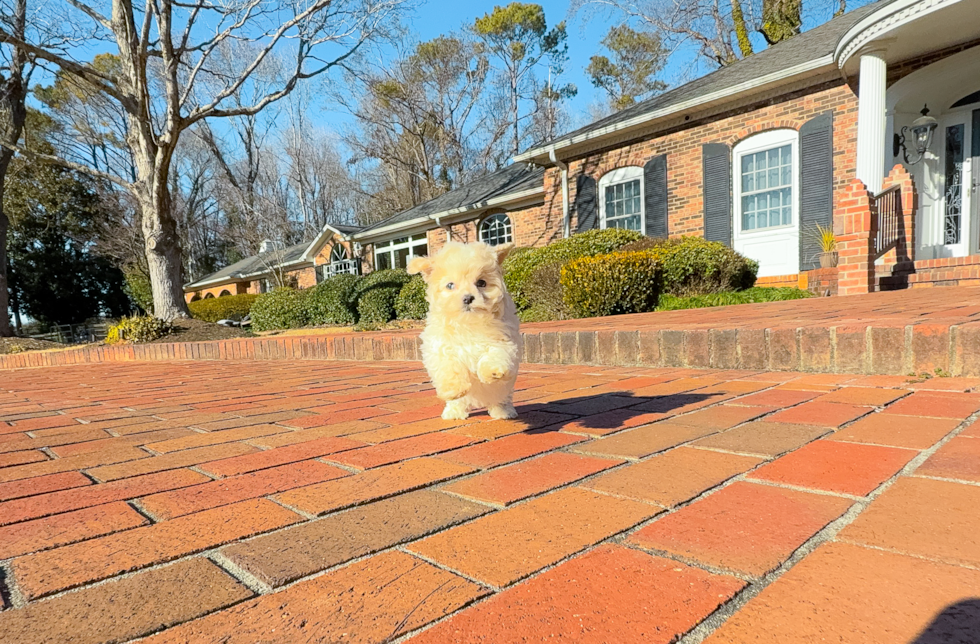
530,226
236,288
683,149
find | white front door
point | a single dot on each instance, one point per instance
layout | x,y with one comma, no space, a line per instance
958,217
766,187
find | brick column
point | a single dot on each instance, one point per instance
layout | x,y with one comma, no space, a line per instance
854,227
907,241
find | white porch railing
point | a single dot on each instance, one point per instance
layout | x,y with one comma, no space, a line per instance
351,266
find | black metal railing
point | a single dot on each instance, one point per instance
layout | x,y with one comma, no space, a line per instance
888,210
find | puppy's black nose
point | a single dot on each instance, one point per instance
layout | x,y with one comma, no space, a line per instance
468,299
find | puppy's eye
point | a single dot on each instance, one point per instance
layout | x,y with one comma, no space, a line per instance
450,286
481,283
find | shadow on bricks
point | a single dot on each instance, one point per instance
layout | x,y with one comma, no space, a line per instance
958,623
614,410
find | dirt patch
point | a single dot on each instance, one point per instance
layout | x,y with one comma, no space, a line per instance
19,345
191,330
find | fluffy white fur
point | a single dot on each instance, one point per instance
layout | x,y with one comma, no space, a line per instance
469,345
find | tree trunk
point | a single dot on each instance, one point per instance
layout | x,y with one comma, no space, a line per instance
5,330
163,256
162,244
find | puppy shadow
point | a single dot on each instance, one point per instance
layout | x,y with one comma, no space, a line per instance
958,623
605,411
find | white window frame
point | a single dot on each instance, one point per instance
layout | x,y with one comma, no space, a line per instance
389,248
760,143
616,177
508,228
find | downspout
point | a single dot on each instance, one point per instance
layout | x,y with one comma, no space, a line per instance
566,216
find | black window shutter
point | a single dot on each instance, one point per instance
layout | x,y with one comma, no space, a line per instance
717,192
655,196
816,185
586,210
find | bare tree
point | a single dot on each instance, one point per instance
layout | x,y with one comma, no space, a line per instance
173,74
13,112
518,39
425,122
720,29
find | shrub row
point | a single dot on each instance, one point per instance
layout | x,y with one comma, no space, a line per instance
521,264
613,271
374,299
230,307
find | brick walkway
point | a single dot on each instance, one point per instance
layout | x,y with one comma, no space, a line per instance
892,333
244,502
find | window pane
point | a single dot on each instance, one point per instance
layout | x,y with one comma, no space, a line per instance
767,193
383,261
401,258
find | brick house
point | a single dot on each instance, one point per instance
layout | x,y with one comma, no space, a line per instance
301,265
823,130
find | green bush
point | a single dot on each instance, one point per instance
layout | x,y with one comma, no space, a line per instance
376,295
230,307
137,329
138,288
411,303
333,301
521,263
544,290
611,284
695,266
282,308
748,296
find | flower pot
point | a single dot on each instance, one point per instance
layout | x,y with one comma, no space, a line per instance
828,260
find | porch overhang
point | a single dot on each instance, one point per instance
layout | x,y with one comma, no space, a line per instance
907,29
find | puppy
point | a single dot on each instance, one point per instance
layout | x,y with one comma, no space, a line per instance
469,345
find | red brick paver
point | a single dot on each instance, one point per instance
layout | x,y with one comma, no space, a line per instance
327,501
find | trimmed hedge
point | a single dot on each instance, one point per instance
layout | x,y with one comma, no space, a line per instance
748,296
282,308
544,291
230,307
411,303
623,282
695,266
521,263
376,294
137,329
333,301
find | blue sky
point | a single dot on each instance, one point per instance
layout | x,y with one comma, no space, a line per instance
430,18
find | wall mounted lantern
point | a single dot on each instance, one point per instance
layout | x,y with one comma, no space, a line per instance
922,131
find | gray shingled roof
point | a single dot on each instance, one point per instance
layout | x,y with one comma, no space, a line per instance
511,179
808,46
252,265
347,229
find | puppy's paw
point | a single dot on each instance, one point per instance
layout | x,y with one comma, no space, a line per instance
455,410
502,412
454,391
489,371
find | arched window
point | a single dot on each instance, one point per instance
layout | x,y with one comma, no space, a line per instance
209,296
496,229
197,296
621,199
338,253
224,293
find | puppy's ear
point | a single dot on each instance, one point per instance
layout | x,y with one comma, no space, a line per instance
421,265
502,252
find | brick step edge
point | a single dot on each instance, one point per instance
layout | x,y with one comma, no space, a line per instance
872,350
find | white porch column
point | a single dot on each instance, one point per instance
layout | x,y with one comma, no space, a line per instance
871,120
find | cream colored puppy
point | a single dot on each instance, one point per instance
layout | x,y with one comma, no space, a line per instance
469,345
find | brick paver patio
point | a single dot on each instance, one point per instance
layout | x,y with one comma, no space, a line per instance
312,501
